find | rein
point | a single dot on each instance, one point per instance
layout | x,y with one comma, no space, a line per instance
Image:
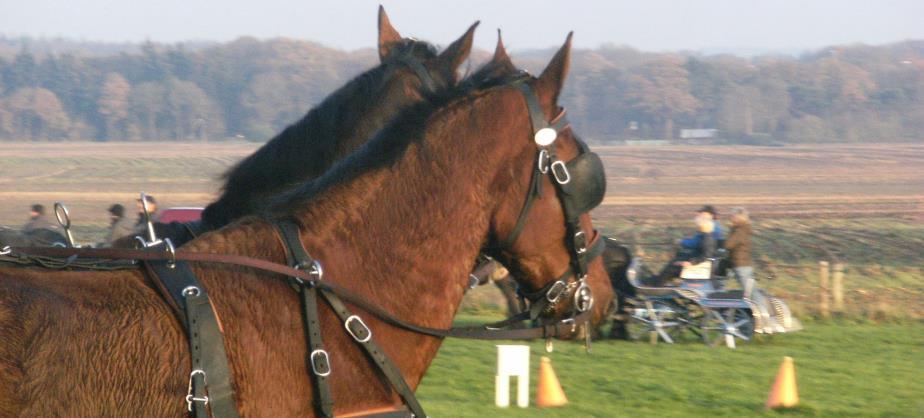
23,255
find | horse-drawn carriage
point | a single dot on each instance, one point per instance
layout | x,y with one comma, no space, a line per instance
701,306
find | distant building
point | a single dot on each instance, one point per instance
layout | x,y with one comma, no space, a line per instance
698,133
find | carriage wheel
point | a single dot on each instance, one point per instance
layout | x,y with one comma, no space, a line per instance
655,320
725,325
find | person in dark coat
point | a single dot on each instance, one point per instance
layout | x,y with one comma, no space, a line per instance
704,250
738,245
38,221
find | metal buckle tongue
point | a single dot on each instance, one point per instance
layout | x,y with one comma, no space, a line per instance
190,396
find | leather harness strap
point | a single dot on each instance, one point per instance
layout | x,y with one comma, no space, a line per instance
483,332
317,358
210,380
353,324
363,335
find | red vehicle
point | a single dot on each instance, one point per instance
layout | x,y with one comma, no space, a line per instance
180,214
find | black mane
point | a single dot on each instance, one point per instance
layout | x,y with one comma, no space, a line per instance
284,160
390,143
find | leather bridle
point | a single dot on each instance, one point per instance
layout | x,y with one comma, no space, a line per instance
577,196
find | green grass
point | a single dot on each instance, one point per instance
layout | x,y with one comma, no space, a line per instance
842,370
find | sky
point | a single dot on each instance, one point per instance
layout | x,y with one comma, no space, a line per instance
741,26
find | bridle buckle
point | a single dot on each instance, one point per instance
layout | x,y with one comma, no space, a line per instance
560,172
348,324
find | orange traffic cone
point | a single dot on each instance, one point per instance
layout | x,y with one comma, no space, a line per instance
784,393
549,392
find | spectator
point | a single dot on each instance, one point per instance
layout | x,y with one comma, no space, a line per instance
38,220
739,249
119,225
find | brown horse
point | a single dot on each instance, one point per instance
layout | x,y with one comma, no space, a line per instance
401,222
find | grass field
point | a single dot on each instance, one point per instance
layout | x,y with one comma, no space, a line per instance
842,370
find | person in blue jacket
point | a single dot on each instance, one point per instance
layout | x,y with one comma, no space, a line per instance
692,243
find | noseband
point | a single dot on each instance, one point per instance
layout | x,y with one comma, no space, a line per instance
580,186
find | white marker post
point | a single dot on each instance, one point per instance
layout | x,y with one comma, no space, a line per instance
512,360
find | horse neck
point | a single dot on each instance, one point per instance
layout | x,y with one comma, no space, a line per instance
405,236
306,149
420,223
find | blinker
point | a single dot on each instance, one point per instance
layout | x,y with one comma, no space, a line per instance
588,187
545,137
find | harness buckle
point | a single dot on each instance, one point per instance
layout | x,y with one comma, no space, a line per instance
320,363
362,334
314,269
190,397
543,162
555,292
580,242
560,171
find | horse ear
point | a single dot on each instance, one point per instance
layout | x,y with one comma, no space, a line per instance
500,57
550,83
457,52
388,36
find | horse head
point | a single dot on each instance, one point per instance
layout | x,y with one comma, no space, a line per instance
547,240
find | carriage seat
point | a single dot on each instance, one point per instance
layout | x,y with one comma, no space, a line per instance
633,273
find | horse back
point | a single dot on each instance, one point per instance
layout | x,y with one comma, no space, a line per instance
72,342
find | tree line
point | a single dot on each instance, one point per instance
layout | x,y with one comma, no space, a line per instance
251,89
